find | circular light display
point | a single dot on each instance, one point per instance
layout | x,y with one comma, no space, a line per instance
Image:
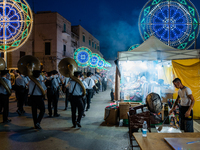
16,21
174,22
133,47
82,56
101,63
94,60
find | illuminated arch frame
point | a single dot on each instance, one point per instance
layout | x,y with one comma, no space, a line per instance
133,47
16,22
101,63
92,63
190,24
82,56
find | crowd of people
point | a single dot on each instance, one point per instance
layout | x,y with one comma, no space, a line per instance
27,92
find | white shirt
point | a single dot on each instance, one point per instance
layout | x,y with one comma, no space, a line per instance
90,82
183,94
37,90
2,89
77,88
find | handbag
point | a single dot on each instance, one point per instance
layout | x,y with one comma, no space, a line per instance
30,97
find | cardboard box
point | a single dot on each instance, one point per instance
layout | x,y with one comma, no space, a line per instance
124,108
111,116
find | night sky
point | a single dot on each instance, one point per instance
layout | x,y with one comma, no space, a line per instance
113,22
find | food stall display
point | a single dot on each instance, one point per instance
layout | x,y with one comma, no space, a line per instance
139,78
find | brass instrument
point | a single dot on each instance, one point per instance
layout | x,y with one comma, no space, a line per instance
26,65
2,82
66,67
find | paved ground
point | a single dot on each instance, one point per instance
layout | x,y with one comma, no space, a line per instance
57,133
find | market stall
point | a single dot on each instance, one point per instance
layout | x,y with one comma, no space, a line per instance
152,66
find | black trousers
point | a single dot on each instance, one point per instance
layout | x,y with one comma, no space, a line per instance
21,99
26,97
98,85
37,102
4,102
186,124
76,102
67,98
89,95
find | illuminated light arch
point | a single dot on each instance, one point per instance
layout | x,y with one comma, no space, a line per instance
133,47
82,56
100,63
174,22
16,22
94,60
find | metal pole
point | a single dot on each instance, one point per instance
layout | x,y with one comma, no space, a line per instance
5,58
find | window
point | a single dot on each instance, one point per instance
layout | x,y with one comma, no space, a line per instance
64,50
92,44
83,38
22,54
98,48
89,42
64,28
95,46
47,48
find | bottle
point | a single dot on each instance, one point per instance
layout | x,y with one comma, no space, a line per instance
144,129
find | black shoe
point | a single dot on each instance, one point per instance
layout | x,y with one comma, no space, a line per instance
56,115
7,121
83,115
37,126
19,112
86,110
78,124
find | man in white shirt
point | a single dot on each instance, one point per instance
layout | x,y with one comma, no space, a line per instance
186,105
90,83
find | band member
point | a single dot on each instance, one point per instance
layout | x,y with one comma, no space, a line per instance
98,80
186,105
37,99
90,83
75,98
56,96
4,96
21,83
86,87
51,85
66,91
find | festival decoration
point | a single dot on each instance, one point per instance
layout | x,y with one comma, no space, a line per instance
16,21
82,56
100,63
174,22
94,60
133,47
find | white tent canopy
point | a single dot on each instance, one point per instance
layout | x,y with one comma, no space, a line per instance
153,49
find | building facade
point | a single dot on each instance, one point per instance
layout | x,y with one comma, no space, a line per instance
52,39
86,39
